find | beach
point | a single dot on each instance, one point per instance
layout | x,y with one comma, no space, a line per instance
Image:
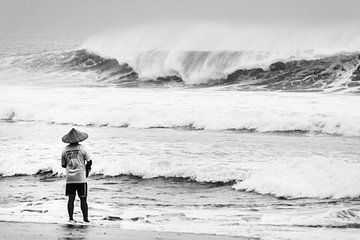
19,230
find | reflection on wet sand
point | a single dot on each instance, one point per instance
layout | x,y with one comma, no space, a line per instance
73,231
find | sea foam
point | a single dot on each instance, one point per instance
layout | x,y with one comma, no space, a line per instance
195,109
330,114
317,177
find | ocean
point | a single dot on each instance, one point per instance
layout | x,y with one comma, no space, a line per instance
183,140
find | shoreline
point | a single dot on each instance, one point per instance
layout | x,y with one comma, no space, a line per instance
31,230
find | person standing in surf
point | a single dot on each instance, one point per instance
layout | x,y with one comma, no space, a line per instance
76,159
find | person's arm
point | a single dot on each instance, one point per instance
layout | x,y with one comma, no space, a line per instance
88,167
63,159
87,160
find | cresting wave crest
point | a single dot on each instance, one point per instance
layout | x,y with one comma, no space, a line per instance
234,70
204,54
241,55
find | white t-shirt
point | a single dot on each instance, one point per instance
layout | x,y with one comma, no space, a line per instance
75,157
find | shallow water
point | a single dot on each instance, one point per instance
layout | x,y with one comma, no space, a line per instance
179,203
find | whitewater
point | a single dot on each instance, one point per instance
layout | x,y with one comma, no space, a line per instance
187,138
200,109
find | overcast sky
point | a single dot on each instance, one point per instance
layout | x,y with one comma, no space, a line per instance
86,17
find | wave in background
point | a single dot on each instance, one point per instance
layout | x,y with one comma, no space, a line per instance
203,55
194,69
204,52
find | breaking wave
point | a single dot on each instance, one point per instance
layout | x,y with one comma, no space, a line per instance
231,69
76,66
202,55
317,177
200,109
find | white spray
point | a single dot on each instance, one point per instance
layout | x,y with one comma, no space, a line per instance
199,53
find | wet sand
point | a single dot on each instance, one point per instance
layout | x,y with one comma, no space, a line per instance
22,230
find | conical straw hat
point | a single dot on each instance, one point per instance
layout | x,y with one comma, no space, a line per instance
74,136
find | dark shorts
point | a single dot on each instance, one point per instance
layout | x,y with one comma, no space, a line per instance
72,188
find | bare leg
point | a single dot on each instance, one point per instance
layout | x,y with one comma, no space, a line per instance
84,208
70,207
